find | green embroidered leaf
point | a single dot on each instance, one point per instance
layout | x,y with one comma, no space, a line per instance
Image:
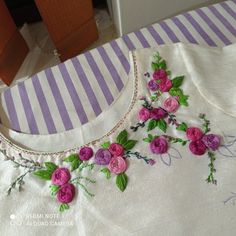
162,125
106,145
43,174
75,164
176,92
162,65
50,166
107,172
152,124
182,127
54,189
129,144
177,81
64,207
121,181
122,138
184,143
168,72
71,158
149,138
183,100
155,66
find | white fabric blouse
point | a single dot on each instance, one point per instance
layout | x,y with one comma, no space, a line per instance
168,198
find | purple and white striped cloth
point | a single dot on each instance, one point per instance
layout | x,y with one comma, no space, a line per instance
77,91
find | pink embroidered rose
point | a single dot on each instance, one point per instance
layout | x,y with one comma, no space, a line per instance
85,153
152,85
159,74
116,149
102,157
211,141
165,85
194,133
197,147
159,145
117,165
60,176
144,114
66,193
158,113
171,104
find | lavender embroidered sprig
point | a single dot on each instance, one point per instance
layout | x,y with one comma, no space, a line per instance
27,164
149,161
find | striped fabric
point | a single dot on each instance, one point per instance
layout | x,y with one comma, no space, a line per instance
77,91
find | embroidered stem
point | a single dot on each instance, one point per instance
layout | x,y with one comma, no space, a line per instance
139,124
138,156
85,165
206,123
211,178
175,140
85,189
75,180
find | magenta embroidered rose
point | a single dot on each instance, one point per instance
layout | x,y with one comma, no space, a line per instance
159,145
116,149
66,193
165,85
152,85
160,74
194,133
60,176
144,114
171,104
85,153
102,157
117,165
197,147
158,113
211,141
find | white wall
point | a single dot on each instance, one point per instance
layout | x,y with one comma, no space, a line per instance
130,15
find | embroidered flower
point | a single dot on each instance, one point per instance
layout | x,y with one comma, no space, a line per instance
165,85
144,114
102,157
197,147
151,162
159,145
85,153
66,193
211,141
171,104
116,149
152,85
158,113
194,133
159,74
60,176
117,165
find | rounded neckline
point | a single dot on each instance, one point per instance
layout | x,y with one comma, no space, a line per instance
7,140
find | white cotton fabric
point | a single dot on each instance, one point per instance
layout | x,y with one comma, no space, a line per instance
159,199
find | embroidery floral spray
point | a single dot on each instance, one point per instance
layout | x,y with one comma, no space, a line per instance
114,156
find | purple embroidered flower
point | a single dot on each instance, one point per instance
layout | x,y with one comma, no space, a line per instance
171,104
159,145
116,149
160,74
85,153
152,85
60,176
211,141
158,113
197,147
102,157
144,114
66,193
117,165
194,133
165,85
